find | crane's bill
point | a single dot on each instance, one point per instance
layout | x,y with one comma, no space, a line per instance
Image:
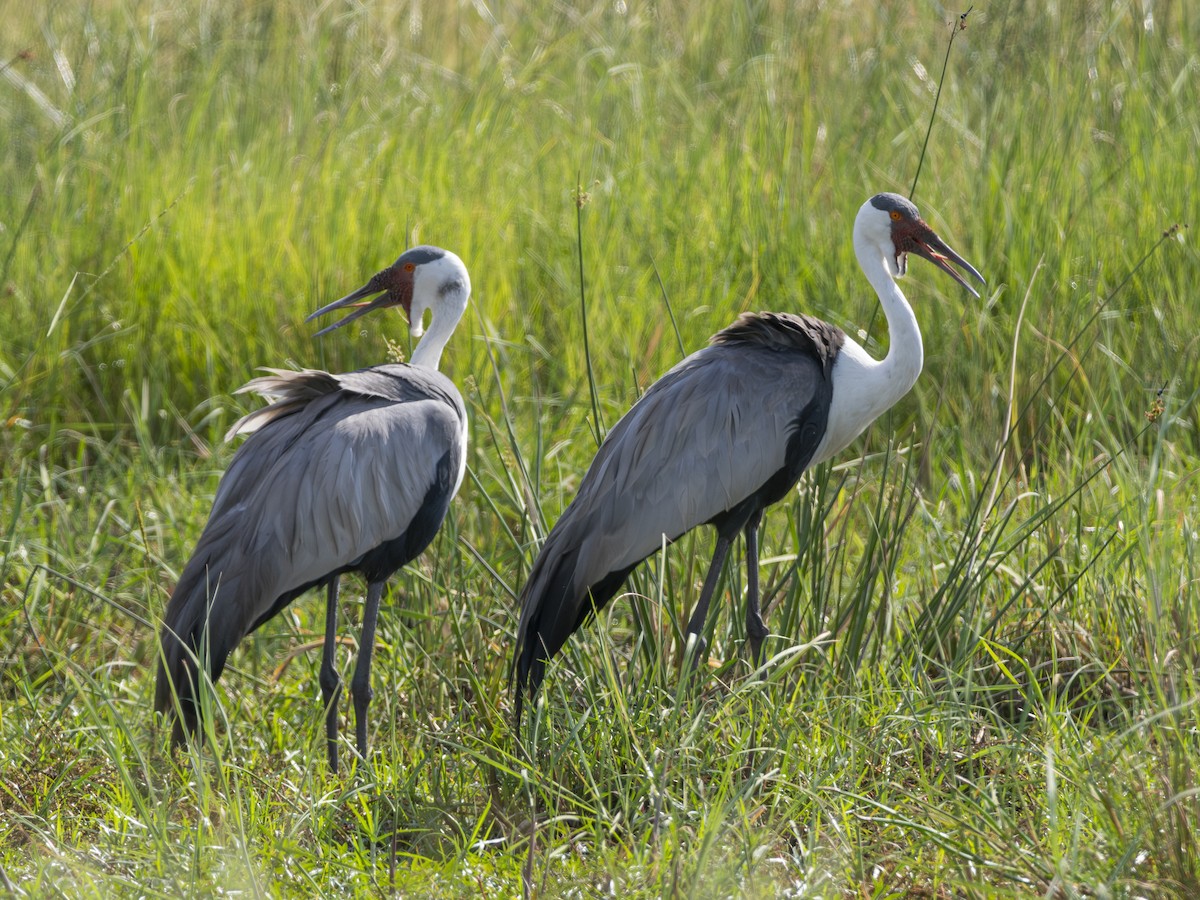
928,245
355,301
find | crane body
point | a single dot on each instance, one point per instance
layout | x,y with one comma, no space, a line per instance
341,473
723,435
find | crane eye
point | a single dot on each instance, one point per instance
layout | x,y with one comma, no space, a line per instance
408,267
896,215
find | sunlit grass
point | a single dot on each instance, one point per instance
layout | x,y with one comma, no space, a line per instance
982,670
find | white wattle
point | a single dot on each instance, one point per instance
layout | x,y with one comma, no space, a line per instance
428,351
864,387
445,307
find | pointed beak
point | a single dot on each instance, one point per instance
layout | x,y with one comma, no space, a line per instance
356,301
924,243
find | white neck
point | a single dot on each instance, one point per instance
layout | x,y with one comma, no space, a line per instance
864,387
443,318
897,372
442,287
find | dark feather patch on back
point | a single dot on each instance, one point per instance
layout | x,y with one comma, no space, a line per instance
785,331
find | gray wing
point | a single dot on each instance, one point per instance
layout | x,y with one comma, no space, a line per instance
347,471
706,436
315,490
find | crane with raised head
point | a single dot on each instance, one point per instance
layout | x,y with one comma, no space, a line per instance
723,435
340,473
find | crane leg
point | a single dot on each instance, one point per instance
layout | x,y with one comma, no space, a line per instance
331,681
756,628
360,683
700,613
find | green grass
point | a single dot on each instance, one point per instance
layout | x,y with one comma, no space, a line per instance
983,675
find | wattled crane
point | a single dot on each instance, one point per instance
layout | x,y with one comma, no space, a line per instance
340,473
722,436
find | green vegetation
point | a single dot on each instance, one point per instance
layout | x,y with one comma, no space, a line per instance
984,671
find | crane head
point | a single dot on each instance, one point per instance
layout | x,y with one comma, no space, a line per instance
421,279
909,233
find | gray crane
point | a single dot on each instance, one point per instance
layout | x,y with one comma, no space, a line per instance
340,473
722,436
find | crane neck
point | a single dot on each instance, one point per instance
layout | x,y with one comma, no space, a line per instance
897,372
443,318
865,387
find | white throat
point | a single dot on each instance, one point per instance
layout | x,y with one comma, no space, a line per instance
864,387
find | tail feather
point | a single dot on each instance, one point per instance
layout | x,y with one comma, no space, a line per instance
227,589
288,392
554,605
204,621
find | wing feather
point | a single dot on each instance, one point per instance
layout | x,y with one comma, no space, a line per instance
704,438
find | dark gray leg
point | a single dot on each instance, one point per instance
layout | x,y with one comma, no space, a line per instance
700,613
360,684
756,628
331,681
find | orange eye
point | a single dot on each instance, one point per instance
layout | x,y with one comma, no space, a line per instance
895,215
408,267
